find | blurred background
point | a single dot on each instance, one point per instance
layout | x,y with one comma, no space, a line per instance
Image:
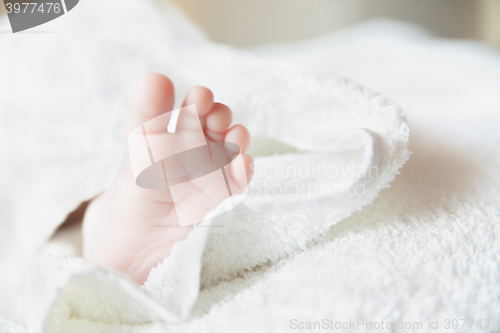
249,23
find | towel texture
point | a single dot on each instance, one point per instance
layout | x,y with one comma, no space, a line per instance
425,249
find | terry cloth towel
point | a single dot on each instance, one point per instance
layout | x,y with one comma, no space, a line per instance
355,146
340,145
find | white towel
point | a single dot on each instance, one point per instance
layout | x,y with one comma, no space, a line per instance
349,143
283,261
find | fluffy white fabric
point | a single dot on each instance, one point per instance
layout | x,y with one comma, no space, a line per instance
425,249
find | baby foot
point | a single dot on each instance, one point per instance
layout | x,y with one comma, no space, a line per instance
121,226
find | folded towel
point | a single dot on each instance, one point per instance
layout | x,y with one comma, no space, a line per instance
341,145
292,200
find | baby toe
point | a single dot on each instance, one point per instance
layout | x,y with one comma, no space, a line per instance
217,122
152,96
241,173
238,134
202,97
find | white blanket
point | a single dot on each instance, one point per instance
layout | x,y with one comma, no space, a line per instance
424,250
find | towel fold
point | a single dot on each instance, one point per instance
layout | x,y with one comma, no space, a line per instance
350,142
342,145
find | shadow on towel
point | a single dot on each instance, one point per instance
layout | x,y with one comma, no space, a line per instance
435,176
